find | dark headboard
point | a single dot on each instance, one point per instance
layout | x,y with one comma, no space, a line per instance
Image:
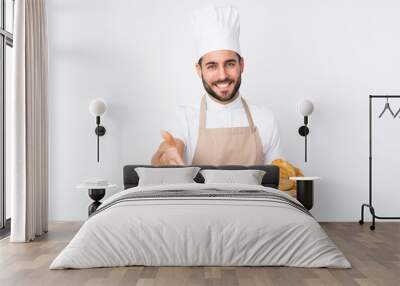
270,179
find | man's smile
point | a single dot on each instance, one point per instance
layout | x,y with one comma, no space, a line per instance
224,86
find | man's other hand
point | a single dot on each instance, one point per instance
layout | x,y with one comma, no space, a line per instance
170,151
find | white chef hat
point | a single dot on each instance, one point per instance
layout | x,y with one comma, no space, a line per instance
216,28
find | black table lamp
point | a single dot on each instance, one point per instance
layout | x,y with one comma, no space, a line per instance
97,108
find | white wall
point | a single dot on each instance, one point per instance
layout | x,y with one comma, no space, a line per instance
138,56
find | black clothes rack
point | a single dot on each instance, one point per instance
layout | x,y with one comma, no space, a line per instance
369,205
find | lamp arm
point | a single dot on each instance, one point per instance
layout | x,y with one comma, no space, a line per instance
98,146
98,136
305,138
99,131
305,146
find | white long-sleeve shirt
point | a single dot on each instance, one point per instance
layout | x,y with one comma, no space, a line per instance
185,125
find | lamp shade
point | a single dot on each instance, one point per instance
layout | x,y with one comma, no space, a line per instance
97,107
305,107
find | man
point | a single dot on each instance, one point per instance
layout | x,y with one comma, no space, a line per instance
223,129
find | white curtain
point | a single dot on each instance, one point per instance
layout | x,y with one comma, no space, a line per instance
28,157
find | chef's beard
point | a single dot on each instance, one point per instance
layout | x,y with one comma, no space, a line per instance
211,92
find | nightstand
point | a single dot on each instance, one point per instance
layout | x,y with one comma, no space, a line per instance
96,193
305,190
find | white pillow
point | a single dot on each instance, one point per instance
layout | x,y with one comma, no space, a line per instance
163,176
248,177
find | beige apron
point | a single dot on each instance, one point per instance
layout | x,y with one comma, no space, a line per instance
227,146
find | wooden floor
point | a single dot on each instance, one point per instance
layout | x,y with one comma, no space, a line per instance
374,255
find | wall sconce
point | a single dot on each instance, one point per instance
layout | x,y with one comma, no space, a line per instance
97,108
305,108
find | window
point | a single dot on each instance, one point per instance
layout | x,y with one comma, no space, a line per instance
6,44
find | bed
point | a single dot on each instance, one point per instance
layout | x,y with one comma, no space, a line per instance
201,224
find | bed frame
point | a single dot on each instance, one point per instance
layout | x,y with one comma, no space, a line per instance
270,179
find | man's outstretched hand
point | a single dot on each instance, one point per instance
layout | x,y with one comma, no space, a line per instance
170,150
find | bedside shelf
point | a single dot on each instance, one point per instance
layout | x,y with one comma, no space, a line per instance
96,193
305,190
